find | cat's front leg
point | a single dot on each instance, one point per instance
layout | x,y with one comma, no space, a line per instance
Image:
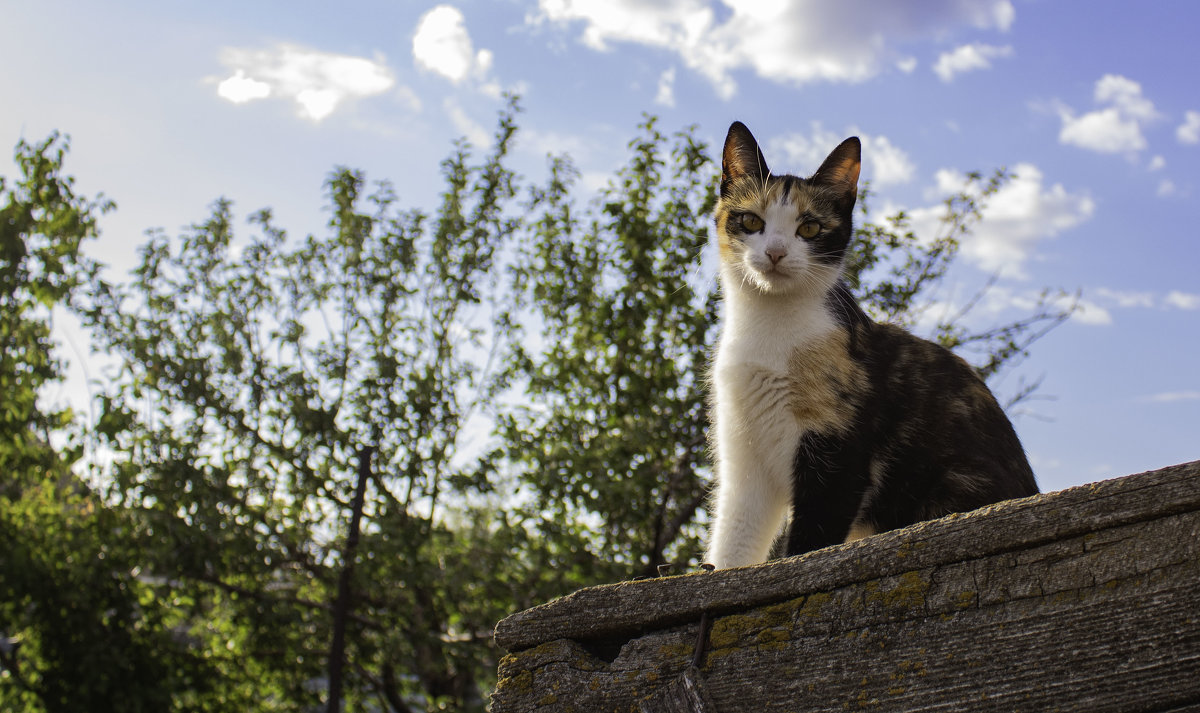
752,496
749,515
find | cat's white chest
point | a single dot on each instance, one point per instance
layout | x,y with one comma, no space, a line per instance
755,429
764,334
753,412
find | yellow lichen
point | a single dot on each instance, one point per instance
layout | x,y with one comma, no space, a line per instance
727,631
521,683
908,592
772,639
814,604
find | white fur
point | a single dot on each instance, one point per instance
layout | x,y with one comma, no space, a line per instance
769,310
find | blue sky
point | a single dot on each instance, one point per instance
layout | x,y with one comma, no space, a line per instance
1095,106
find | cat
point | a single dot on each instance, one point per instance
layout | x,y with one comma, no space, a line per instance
853,426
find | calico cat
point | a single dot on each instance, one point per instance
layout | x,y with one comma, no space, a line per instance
854,426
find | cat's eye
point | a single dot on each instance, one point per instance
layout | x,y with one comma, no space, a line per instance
751,223
808,229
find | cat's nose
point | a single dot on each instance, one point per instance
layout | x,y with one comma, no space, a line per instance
776,254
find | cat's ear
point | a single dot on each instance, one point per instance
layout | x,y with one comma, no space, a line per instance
741,157
840,169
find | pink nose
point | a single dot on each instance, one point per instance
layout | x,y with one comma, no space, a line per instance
776,254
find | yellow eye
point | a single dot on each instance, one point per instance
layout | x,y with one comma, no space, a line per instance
809,229
751,223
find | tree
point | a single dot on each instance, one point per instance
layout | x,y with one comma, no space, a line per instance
290,422
614,433
42,226
75,632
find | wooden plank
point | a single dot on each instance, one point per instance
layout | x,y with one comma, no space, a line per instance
1088,599
619,610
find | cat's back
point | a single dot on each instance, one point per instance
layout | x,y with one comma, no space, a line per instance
927,400
902,363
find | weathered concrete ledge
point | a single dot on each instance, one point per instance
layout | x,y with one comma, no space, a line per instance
1083,599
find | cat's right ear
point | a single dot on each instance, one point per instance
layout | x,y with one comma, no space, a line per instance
840,170
741,157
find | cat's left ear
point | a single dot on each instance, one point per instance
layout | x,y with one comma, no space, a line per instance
840,169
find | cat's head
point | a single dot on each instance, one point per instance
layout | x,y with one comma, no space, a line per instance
784,234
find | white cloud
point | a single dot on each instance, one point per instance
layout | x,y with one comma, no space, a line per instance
794,42
886,163
1126,95
666,88
967,59
907,64
317,81
1182,300
1189,131
1166,187
883,162
1105,131
240,89
442,45
1116,128
1022,213
1156,164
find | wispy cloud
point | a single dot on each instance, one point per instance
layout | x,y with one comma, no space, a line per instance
884,163
1124,298
1020,215
789,42
1141,299
1173,396
1182,300
665,96
968,58
464,124
318,82
1117,126
1003,301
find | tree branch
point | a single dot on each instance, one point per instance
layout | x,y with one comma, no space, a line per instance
341,609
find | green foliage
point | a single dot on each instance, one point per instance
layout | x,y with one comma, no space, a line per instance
86,633
613,438
77,631
42,225
367,446
255,374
